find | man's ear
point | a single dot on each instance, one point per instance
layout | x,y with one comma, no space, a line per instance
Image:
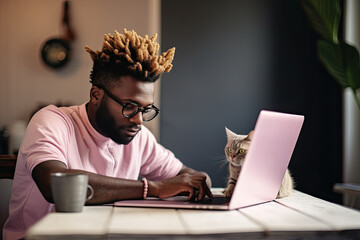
96,95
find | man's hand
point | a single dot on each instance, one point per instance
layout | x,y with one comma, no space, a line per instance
193,183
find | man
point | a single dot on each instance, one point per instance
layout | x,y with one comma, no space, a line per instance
103,138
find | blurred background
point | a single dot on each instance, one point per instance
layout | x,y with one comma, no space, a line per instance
233,59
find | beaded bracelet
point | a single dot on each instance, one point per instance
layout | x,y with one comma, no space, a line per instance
146,187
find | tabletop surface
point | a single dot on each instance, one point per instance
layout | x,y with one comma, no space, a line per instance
299,216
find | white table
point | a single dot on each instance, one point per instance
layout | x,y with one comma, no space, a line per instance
299,216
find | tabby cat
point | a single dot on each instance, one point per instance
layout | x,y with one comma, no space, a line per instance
235,152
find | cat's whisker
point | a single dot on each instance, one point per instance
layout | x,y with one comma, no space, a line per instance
219,160
220,164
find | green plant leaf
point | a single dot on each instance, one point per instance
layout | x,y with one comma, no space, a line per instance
324,16
342,62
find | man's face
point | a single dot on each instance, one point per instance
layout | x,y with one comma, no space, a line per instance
109,119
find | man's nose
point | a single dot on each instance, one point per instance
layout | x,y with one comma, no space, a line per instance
137,119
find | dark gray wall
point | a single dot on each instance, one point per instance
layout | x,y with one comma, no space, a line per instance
234,58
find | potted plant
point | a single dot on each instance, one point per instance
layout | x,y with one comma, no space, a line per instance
339,58
342,62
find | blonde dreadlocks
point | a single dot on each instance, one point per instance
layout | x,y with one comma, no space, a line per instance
132,54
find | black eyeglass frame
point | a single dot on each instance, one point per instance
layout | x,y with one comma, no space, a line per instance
124,105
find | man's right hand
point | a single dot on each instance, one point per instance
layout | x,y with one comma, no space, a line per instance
192,184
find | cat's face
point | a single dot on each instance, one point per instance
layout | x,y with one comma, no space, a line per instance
236,148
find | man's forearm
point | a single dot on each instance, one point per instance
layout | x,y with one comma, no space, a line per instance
109,189
106,189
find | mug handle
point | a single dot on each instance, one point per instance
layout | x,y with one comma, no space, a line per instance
91,193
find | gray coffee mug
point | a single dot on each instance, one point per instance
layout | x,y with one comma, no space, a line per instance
69,191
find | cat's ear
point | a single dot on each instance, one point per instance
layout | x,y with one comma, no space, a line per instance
250,136
229,133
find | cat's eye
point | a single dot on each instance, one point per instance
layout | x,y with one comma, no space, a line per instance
229,150
242,151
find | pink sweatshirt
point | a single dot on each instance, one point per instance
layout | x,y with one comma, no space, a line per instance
65,134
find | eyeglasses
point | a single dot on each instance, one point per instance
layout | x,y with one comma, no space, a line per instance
130,109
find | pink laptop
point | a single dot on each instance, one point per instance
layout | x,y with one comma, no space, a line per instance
264,167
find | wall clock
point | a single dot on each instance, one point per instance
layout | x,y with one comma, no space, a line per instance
56,52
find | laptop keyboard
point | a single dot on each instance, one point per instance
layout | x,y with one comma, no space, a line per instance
213,201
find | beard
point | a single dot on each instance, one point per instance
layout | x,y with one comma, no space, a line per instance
107,126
